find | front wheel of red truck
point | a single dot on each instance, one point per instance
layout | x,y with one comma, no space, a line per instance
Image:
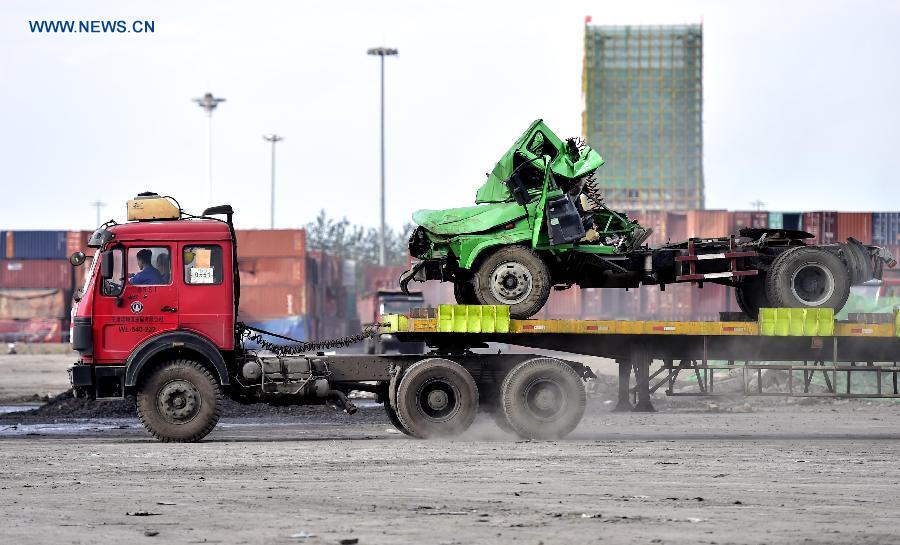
179,401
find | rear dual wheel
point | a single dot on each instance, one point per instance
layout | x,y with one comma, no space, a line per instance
436,398
543,398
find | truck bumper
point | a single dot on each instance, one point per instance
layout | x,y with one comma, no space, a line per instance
100,381
421,271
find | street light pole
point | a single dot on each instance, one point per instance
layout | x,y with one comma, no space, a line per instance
382,52
209,103
98,205
274,139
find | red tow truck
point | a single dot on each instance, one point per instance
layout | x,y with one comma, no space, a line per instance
156,319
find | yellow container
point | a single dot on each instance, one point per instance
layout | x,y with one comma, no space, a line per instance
473,319
825,322
767,321
501,321
798,319
782,322
445,318
488,318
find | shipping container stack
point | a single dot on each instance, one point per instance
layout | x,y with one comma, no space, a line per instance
272,266
36,283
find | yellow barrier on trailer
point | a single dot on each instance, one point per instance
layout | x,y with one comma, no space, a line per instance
780,322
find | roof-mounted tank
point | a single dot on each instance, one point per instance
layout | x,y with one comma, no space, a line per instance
150,206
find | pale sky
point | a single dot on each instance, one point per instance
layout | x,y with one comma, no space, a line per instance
801,102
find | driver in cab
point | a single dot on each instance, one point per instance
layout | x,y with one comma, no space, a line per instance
148,274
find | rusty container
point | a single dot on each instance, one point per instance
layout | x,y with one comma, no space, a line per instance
264,271
77,241
36,273
33,330
710,300
271,243
708,223
564,304
386,277
23,304
676,226
653,219
822,225
854,224
267,302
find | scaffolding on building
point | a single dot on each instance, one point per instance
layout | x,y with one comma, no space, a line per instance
643,112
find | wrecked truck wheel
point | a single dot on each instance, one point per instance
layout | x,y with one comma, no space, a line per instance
464,293
514,276
808,277
180,401
543,398
751,295
436,398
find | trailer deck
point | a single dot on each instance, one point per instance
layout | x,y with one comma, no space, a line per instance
658,352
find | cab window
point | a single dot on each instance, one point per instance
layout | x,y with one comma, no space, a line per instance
113,286
203,264
149,266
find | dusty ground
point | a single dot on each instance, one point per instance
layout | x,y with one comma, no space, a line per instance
823,473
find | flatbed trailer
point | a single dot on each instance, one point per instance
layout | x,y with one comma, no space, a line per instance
656,353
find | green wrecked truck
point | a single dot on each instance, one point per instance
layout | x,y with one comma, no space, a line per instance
539,223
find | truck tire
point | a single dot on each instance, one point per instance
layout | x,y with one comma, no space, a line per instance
464,293
436,398
751,295
498,415
513,276
808,277
395,420
179,402
543,398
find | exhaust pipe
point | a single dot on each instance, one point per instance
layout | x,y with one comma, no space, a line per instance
340,399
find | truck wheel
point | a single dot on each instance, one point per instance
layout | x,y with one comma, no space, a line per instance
543,398
751,295
808,277
179,401
499,418
513,276
436,398
464,293
395,420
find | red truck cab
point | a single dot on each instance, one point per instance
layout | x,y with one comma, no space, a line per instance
155,289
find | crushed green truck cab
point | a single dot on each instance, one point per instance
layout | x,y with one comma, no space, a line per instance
539,222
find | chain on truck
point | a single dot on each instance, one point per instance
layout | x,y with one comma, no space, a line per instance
156,319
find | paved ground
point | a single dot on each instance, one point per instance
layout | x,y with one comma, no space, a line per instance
796,475
780,473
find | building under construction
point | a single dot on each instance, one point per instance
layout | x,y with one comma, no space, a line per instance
644,112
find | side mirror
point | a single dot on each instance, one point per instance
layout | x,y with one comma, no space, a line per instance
107,264
77,259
